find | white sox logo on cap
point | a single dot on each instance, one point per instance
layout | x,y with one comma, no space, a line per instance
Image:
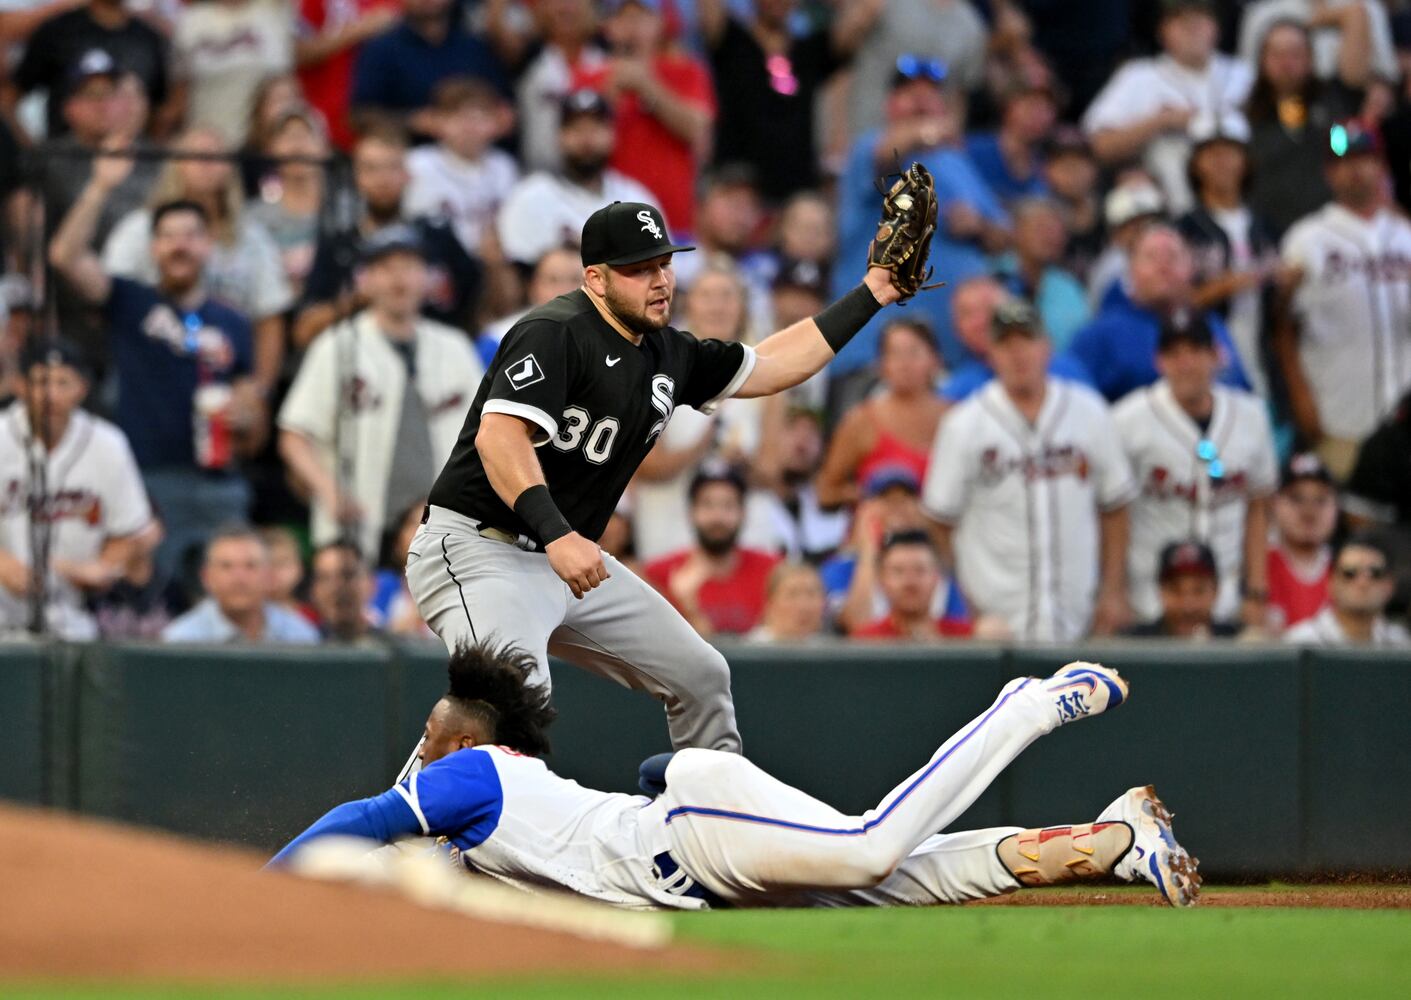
649,224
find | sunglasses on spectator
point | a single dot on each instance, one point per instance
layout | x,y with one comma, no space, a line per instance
1371,572
1207,452
911,67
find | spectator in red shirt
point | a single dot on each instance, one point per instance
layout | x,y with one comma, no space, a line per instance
716,585
1300,558
664,104
909,572
330,33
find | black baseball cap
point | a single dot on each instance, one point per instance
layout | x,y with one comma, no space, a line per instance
92,64
1170,8
805,275
583,102
1305,466
1188,328
716,472
399,238
1016,316
53,351
1190,558
626,232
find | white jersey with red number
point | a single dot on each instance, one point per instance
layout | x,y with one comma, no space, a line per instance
1025,501
1354,310
92,492
1179,498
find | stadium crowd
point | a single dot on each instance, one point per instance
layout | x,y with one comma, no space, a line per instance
258,255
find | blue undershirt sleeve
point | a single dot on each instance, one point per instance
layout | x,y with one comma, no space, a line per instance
383,819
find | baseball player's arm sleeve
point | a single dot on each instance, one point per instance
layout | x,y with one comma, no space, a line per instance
460,794
531,382
383,819
718,369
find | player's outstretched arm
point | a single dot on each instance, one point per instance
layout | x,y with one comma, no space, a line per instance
383,819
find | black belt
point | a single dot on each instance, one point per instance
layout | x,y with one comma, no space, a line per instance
491,532
669,871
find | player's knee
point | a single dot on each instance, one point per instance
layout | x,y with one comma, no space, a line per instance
709,671
872,863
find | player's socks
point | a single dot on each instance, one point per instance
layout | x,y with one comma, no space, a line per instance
1058,854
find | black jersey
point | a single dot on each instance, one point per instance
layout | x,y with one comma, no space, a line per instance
598,403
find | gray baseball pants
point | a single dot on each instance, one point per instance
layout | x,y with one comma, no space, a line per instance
470,588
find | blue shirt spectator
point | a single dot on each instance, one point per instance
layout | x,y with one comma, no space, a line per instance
397,71
1031,270
975,375
985,152
206,623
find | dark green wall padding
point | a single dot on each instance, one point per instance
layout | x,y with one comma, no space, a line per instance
1277,761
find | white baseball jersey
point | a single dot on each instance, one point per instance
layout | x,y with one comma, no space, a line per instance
352,373
93,492
1323,629
1179,499
546,211
1024,499
466,194
1354,309
1142,87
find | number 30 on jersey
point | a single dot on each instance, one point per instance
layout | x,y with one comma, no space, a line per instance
577,426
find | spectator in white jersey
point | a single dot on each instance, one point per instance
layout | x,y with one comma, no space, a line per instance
74,473
1358,592
236,608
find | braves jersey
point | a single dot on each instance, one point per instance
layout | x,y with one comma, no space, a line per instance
1354,307
465,194
1180,498
1024,500
597,402
93,492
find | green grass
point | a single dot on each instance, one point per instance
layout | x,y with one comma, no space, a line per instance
1029,952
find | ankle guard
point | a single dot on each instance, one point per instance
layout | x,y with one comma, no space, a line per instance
1058,854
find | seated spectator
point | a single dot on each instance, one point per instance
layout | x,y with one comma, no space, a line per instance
92,505
244,269
1300,557
341,590
729,221
1236,259
1146,107
1011,159
548,209
1032,271
568,45
235,609
291,195
350,430
462,178
799,291
380,177
801,528
926,123
769,77
946,32
732,434
1359,589
1344,343
1352,39
891,505
397,70
59,44
1187,584
187,400
275,97
1118,348
909,573
1203,457
329,36
392,607
558,272
1071,176
1133,202
717,585
663,102
223,51
286,571
1290,112
806,231
893,427
793,607
1031,442
979,304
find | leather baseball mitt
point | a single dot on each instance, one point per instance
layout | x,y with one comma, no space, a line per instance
903,239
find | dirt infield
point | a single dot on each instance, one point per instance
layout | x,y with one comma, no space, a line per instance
1322,897
88,900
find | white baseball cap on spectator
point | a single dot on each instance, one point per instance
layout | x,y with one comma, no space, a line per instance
1131,202
1207,127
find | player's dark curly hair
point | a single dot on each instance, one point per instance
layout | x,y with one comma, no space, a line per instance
490,682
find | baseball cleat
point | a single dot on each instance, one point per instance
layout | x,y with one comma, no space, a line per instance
1155,855
1081,689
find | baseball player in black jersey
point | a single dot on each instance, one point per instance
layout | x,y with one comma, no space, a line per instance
577,395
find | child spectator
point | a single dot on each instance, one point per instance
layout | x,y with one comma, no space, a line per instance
794,605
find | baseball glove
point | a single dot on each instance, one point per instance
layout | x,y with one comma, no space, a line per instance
903,239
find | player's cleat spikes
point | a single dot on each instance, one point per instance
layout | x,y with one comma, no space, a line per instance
1080,689
1155,855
